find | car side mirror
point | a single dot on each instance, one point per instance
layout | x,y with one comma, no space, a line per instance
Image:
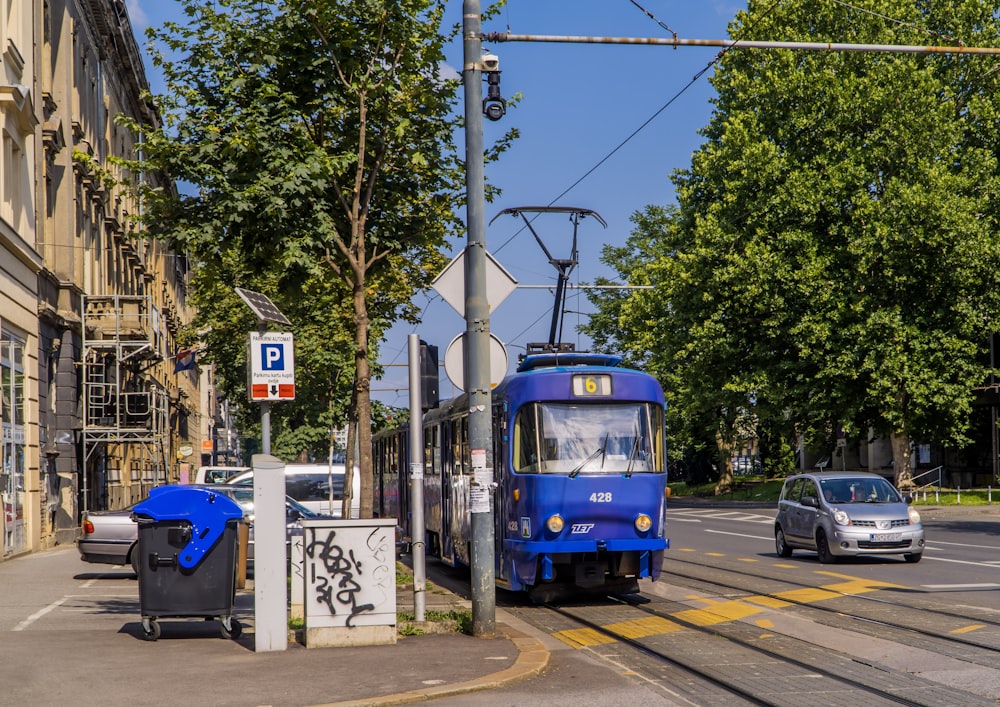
810,501
907,499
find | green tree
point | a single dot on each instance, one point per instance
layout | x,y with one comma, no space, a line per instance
316,138
834,257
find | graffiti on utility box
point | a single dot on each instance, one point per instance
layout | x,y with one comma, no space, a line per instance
349,569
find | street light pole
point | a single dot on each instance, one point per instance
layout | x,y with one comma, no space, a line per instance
477,334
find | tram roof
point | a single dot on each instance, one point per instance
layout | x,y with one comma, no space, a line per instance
571,358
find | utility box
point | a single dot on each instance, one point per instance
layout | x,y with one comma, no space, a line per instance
349,577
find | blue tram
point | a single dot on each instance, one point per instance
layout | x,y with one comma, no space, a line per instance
579,469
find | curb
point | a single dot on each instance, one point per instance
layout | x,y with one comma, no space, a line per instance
532,659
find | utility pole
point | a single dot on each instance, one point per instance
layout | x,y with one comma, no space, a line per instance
418,527
477,334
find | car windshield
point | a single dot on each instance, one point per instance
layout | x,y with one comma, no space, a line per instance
859,490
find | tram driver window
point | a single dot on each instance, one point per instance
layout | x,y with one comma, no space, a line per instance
525,454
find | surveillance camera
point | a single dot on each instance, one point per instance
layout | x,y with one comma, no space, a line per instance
491,62
495,110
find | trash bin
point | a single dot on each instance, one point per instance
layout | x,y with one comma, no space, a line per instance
188,544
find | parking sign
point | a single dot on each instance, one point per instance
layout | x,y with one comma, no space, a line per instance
272,366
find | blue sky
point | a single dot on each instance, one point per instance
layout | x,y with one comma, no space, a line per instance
578,104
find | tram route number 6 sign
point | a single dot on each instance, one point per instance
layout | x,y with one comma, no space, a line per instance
272,366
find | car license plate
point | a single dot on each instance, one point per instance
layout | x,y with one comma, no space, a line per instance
886,537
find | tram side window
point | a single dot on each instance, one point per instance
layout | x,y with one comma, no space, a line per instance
460,446
432,451
659,441
525,437
466,454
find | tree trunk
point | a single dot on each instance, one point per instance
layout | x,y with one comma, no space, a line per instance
901,460
725,447
362,391
349,460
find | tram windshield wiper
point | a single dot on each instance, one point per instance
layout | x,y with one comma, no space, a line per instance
600,450
633,453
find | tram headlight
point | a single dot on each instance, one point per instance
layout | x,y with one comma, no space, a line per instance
643,523
555,523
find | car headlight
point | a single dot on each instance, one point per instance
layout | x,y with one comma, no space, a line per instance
914,516
643,523
841,518
555,523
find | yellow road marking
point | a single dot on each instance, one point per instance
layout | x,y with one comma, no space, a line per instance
806,595
717,613
721,610
872,583
768,602
784,566
640,628
716,554
748,559
583,637
967,629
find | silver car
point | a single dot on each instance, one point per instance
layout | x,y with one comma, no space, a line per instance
110,537
846,514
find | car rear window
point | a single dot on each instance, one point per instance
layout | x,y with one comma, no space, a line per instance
314,487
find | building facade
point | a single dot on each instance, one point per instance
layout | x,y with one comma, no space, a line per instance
95,409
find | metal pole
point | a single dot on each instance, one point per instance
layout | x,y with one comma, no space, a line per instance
417,480
265,427
739,44
477,334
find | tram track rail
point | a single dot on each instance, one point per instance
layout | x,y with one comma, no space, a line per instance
879,604
740,656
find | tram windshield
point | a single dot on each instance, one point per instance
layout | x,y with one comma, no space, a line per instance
558,438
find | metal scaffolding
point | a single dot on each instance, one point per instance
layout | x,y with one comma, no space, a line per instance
126,421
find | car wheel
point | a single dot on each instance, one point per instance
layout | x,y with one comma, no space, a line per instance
780,545
913,556
823,549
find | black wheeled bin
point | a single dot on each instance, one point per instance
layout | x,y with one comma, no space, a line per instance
188,545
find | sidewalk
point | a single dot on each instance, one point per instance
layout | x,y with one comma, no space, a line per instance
70,633
530,656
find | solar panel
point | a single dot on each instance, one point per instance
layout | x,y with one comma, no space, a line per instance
263,307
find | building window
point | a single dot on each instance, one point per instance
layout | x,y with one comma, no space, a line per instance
13,530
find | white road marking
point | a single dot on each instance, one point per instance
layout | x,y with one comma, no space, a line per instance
961,562
985,547
986,585
38,614
739,535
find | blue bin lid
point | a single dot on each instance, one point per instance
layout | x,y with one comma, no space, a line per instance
206,511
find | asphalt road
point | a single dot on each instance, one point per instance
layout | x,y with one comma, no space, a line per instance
962,557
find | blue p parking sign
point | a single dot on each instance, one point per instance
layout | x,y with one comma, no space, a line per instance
272,357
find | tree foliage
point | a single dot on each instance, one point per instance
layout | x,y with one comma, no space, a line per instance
834,255
316,140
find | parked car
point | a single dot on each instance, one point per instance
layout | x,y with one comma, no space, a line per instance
839,514
311,484
110,537
216,474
